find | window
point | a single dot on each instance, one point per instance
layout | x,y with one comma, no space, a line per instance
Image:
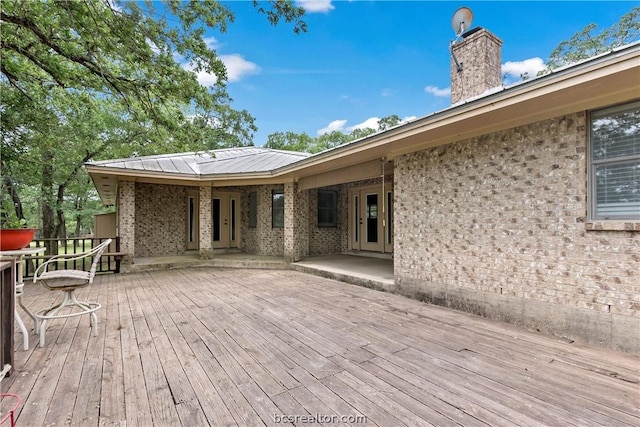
192,220
233,219
327,208
193,214
389,225
615,163
253,210
277,209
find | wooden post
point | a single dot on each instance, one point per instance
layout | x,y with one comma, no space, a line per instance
7,310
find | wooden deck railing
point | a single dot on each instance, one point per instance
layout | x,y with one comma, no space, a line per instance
109,262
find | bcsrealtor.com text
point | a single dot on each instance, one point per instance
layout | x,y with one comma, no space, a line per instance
319,418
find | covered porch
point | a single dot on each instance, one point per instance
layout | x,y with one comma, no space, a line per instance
317,212
220,346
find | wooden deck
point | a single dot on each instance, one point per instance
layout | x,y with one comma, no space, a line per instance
230,347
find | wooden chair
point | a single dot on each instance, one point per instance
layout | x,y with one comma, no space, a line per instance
67,281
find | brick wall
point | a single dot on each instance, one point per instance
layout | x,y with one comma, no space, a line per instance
264,239
480,57
127,219
205,236
296,223
327,240
249,238
161,217
496,225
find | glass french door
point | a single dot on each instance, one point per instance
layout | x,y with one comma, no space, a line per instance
371,219
225,211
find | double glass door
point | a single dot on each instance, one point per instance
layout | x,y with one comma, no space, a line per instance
225,211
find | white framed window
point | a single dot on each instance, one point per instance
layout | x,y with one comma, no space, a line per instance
615,163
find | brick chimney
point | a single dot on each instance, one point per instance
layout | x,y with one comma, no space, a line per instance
480,57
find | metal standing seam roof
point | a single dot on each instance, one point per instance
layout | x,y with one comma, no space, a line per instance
214,162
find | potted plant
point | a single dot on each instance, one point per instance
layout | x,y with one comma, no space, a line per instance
14,233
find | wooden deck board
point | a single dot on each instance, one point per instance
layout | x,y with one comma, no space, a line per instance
112,401
136,400
435,411
164,410
231,347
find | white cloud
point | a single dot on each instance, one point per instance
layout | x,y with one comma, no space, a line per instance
371,123
114,6
312,6
387,92
436,91
515,69
336,125
204,78
238,67
211,42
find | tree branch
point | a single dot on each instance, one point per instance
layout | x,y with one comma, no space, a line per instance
13,80
32,58
82,60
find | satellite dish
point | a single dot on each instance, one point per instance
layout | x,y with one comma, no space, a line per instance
461,20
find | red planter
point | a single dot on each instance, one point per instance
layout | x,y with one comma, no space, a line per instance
16,238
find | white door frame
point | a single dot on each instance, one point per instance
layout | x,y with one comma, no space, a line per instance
225,231
361,217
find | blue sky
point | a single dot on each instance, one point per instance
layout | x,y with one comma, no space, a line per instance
363,60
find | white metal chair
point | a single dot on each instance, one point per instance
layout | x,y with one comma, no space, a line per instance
67,281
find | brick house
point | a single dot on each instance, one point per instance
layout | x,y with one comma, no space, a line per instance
521,203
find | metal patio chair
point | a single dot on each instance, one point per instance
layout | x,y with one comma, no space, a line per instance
67,281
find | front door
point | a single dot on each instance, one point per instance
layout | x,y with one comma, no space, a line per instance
225,210
370,219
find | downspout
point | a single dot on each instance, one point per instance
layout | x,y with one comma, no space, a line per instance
384,216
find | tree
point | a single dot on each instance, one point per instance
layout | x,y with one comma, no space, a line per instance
290,141
125,50
302,142
586,44
89,78
335,138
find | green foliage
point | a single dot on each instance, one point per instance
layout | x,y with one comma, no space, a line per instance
302,142
124,50
586,43
9,218
290,141
91,79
